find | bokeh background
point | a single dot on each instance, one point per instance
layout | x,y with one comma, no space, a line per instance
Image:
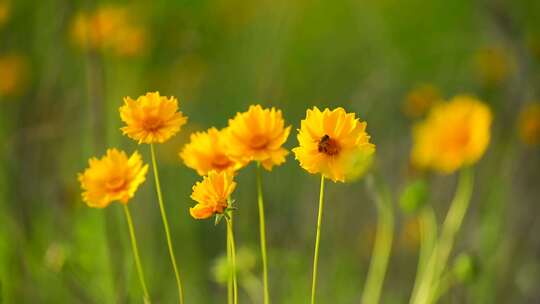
66,65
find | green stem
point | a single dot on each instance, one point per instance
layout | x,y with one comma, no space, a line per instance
438,259
428,238
317,240
230,236
166,225
230,276
262,231
381,249
135,249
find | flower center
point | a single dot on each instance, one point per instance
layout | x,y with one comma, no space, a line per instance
115,184
221,162
152,124
259,142
328,146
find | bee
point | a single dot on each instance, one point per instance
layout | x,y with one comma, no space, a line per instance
328,146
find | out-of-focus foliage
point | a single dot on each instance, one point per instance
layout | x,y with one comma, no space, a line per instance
65,67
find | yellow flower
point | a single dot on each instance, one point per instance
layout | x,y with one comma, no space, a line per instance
334,143
4,12
207,152
529,124
257,135
114,177
493,65
420,99
110,27
212,194
13,72
151,118
454,134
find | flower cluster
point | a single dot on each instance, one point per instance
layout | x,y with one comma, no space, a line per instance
108,28
333,143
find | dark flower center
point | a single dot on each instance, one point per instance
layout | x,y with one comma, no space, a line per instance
328,146
152,124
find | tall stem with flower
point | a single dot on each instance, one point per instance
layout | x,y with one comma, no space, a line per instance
150,119
335,144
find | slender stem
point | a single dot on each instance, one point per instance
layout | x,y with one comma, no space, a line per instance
135,249
262,231
428,238
230,276
438,259
166,225
381,249
317,240
230,236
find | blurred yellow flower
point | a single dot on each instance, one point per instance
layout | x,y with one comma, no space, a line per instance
110,27
114,177
455,134
257,135
420,99
4,12
529,124
207,152
151,118
13,72
212,194
333,143
493,65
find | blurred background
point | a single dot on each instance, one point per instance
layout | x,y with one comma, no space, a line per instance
66,65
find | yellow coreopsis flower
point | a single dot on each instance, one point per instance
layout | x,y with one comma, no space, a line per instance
110,27
212,194
207,152
151,118
493,65
258,135
114,177
420,99
333,143
529,124
13,73
454,134
4,12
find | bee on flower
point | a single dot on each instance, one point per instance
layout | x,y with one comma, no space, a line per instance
114,177
455,134
207,152
258,135
529,124
334,143
151,118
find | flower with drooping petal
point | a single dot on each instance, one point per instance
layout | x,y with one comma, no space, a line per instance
207,152
529,124
258,135
151,118
114,177
455,134
212,194
334,143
